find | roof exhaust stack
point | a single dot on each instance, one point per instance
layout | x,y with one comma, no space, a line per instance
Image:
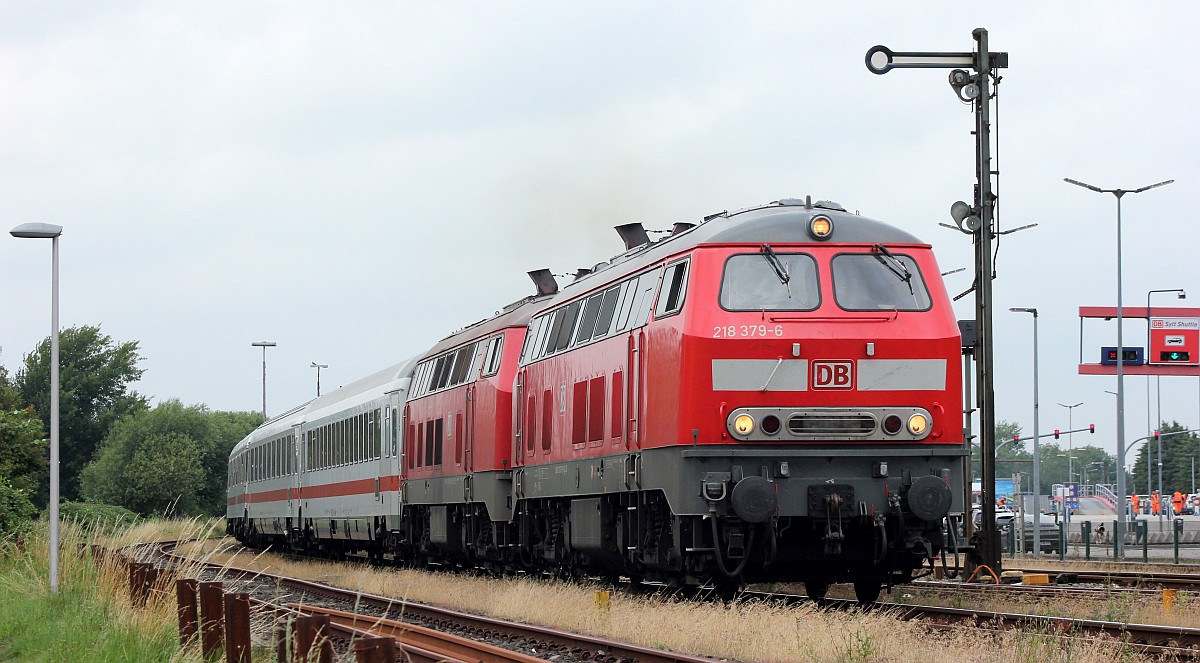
544,280
633,234
680,227
582,272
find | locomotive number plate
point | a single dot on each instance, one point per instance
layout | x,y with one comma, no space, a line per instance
747,331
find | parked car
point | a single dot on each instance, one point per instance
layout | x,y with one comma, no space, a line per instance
1005,518
1049,537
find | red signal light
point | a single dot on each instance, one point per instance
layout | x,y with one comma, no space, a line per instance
1056,433
1092,428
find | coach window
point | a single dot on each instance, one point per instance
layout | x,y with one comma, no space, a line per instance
878,281
770,281
395,430
670,298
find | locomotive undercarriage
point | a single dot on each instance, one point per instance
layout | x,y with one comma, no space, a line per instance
713,523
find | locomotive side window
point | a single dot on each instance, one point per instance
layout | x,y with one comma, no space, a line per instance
607,309
568,315
878,281
491,364
547,419
587,322
646,285
771,282
437,442
530,413
670,299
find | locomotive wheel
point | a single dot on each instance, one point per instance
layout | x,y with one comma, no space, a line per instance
816,589
867,591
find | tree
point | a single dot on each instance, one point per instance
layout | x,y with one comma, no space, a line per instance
23,446
171,458
95,373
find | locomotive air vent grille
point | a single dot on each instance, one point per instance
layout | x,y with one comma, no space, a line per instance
831,423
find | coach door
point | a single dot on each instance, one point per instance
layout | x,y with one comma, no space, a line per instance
293,469
388,481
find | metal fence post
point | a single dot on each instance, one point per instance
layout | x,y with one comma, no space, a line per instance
237,628
185,598
375,650
313,631
211,618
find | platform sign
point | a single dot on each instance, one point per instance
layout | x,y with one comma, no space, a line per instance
1174,341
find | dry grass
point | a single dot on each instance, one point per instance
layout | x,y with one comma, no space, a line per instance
747,631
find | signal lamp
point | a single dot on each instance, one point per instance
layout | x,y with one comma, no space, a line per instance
1174,355
820,227
892,424
770,424
1092,428
917,424
1056,432
743,425
964,217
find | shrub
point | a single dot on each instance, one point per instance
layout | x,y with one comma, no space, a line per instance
93,516
16,510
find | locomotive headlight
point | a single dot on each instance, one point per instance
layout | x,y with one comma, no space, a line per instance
820,227
743,424
917,424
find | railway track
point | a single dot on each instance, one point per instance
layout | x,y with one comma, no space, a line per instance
356,614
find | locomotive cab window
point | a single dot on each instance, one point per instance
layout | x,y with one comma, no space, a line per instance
770,281
670,297
878,281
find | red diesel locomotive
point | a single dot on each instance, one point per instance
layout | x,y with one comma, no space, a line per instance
770,394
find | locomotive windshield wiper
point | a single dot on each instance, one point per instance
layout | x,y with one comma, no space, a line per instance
777,265
894,264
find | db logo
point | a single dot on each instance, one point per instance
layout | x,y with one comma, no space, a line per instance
1158,324
833,375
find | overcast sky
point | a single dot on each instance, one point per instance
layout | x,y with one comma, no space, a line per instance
356,180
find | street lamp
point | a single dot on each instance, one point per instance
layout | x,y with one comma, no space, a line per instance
52,233
318,367
1070,437
1037,457
264,345
1119,538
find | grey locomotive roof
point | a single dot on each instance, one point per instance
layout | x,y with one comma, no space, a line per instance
783,221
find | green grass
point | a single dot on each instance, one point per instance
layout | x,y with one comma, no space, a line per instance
88,619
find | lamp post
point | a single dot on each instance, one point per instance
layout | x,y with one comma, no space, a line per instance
1157,379
318,367
52,233
264,345
1070,441
1037,458
1119,535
